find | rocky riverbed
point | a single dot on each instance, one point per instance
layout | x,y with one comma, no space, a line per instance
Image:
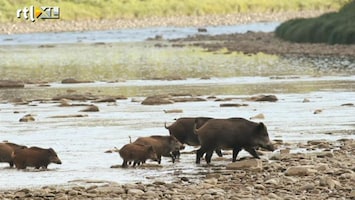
325,170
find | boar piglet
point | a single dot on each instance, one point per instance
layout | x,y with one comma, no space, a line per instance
6,149
137,153
183,130
35,157
233,133
162,145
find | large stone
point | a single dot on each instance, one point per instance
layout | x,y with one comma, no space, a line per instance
252,164
135,192
157,100
11,84
91,108
300,171
72,81
27,118
270,98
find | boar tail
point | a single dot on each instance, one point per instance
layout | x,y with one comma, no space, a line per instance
130,139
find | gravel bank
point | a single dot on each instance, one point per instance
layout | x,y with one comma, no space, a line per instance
21,26
327,173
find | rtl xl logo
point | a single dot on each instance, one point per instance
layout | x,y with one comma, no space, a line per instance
44,12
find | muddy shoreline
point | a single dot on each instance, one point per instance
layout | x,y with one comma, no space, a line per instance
327,173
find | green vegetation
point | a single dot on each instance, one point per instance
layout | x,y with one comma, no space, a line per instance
111,9
331,28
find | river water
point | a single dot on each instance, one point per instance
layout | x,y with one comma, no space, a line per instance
81,142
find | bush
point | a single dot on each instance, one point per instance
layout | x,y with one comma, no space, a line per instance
331,28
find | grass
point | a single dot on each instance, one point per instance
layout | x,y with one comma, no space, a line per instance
112,9
332,28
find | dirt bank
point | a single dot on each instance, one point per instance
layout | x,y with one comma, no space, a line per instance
255,42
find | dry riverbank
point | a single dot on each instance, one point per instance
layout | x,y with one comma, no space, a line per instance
22,26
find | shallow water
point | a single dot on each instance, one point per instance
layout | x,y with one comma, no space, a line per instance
81,142
127,35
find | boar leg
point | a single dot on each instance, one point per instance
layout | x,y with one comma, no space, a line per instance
235,153
176,154
11,164
124,164
199,154
173,157
208,156
252,151
218,152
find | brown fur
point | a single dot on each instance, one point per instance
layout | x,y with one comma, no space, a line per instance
35,157
136,153
163,145
233,133
6,150
183,130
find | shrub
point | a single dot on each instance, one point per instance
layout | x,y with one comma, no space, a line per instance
331,28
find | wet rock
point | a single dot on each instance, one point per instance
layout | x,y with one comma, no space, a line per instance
202,30
73,81
173,111
188,99
74,97
91,108
318,111
11,84
68,116
251,164
270,98
258,116
106,100
305,100
27,118
300,171
232,105
347,104
157,100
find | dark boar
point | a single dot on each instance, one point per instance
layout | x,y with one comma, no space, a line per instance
233,133
6,150
137,153
163,145
183,130
35,157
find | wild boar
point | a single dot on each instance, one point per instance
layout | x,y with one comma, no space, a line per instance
183,130
35,157
233,133
163,145
137,153
6,150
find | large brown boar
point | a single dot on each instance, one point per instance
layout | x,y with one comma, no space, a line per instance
35,157
183,130
137,153
6,150
163,145
233,133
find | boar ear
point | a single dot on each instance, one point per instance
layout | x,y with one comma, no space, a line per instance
261,126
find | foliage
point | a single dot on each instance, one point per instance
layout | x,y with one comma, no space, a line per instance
331,28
